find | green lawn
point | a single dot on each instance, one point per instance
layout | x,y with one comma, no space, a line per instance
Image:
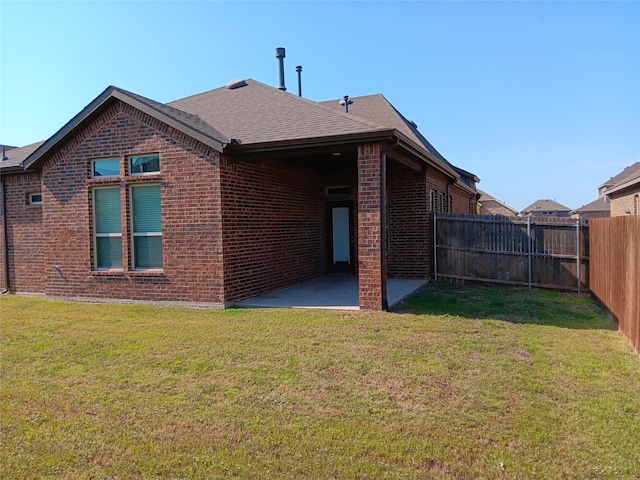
459,383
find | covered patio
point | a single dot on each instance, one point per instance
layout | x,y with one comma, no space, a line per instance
329,293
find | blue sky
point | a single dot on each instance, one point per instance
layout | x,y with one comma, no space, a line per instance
539,99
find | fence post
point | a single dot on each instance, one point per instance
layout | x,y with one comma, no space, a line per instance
435,247
529,250
578,253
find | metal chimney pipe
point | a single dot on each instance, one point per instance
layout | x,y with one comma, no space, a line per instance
345,102
299,70
280,56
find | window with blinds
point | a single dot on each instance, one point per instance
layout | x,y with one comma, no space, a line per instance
107,228
146,226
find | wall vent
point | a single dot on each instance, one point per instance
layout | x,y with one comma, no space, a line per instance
341,190
236,84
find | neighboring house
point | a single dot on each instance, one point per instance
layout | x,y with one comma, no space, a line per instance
546,208
223,196
625,197
617,196
629,172
623,191
492,206
599,208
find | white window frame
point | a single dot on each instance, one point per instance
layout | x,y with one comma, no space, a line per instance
141,174
141,234
97,235
93,163
35,202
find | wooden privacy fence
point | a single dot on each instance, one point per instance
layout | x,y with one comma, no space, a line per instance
615,272
533,252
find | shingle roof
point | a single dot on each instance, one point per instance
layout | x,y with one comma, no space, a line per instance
257,113
546,205
627,182
625,175
15,156
378,109
598,205
188,119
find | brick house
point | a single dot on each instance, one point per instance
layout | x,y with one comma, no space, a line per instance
625,197
546,208
620,195
492,206
622,191
599,208
222,196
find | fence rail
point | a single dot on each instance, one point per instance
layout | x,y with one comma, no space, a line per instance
534,252
615,272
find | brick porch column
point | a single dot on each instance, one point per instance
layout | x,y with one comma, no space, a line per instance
372,278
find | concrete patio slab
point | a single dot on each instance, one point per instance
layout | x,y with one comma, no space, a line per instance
329,293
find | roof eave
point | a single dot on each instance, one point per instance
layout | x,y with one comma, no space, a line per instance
377,135
624,186
11,169
460,184
426,156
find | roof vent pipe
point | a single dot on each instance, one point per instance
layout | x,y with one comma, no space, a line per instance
4,155
299,70
280,56
345,102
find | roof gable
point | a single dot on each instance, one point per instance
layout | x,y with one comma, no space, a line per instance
546,205
485,198
182,121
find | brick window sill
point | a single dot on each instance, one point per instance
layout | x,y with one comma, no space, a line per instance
146,273
107,273
130,273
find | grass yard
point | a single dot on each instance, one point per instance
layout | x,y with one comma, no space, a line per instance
459,383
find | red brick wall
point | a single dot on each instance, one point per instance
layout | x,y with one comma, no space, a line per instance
463,202
190,200
24,235
408,223
272,224
370,235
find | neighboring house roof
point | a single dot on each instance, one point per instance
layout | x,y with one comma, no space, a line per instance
16,157
630,181
598,205
546,205
625,175
485,197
